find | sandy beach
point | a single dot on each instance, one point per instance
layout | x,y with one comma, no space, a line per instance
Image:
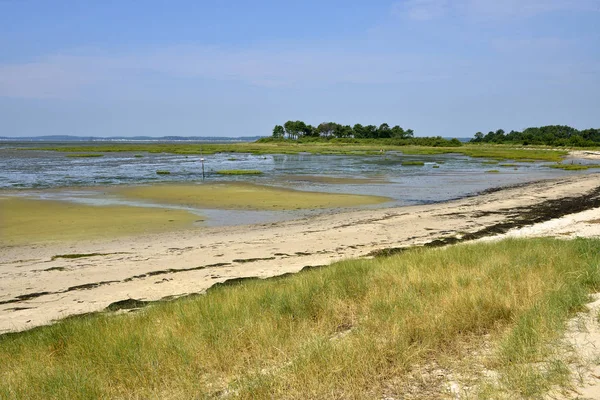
38,286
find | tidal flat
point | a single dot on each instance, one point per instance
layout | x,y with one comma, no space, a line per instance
26,221
243,196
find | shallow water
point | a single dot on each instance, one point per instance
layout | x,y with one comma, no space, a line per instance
454,176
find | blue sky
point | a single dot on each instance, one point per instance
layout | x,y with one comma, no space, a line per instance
237,68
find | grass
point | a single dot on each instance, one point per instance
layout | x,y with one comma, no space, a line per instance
499,152
413,163
239,172
356,329
243,196
492,171
574,167
509,165
26,221
162,172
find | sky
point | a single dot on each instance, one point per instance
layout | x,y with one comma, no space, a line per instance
237,68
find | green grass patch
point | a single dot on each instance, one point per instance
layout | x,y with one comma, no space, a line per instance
492,171
239,172
162,172
356,329
573,167
508,165
138,156
413,163
90,155
436,166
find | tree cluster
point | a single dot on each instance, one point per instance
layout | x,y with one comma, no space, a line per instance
298,129
551,135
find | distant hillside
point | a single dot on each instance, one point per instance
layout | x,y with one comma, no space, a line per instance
69,138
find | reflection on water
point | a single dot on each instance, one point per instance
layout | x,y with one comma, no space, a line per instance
442,177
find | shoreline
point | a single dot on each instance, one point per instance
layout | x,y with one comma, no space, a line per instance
37,287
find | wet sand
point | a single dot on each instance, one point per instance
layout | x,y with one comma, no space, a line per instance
37,287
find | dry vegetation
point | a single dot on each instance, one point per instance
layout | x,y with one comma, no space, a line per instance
356,329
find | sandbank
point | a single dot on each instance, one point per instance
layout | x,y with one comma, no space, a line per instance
243,196
36,287
26,221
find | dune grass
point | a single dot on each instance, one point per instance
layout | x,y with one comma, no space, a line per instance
356,329
499,152
26,221
239,172
243,196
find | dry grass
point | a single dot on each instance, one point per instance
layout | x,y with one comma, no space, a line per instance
357,329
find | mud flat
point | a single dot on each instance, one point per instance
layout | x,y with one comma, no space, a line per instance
43,282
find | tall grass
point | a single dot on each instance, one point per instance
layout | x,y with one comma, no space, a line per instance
355,329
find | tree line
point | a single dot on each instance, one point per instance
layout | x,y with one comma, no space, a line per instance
298,129
551,135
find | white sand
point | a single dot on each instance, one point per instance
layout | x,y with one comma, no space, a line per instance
278,248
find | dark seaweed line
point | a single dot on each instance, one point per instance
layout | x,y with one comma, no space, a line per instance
522,216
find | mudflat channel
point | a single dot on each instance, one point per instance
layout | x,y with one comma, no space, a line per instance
43,282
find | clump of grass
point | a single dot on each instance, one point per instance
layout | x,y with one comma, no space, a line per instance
570,167
492,171
436,166
138,156
91,155
239,172
163,172
344,331
509,165
413,163
232,159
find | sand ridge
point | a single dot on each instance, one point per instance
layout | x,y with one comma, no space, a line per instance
36,287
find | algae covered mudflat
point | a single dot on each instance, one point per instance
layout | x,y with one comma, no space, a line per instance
24,221
243,196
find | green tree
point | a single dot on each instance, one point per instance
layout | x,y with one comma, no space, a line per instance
278,132
359,131
384,131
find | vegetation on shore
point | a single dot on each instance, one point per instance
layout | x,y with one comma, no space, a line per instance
550,135
574,167
357,329
333,146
